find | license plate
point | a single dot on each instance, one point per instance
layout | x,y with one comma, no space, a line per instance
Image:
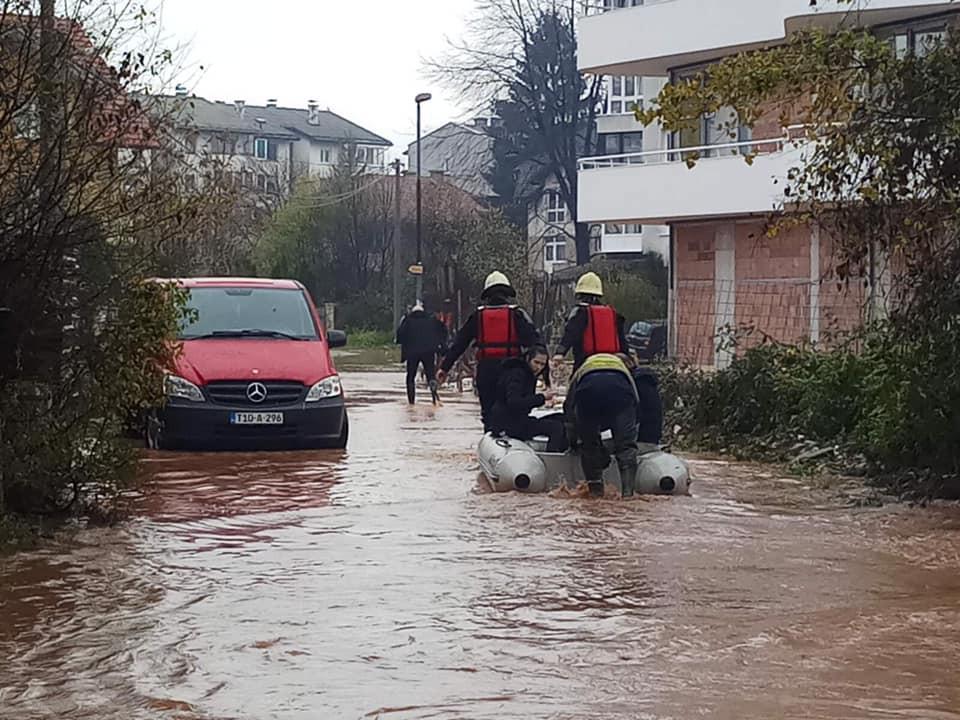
256,418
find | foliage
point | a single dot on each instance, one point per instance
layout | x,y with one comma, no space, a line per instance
638,290
520,59
336,236
90,197
371,339
880,174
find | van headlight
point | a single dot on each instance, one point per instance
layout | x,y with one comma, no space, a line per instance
326,388
178,387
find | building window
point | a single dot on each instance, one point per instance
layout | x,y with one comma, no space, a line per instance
623,228
260,148
622,144
596,244
325,155
916,40
224,145
618,4
624,94
556,210
555,248
26,122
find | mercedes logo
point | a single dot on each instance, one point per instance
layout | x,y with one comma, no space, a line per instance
256,392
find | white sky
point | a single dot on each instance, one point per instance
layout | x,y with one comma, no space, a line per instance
360,58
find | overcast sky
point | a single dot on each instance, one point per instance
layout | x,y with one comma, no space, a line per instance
360,58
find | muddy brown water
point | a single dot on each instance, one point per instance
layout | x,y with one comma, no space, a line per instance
378,583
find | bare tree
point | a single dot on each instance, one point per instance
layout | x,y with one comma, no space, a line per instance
519,58
90,194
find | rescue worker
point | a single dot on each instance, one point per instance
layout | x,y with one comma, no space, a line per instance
592,327
649,405
603,396
517,395
499,330
420,337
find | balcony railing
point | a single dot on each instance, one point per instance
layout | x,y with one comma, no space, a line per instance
698,152
598,7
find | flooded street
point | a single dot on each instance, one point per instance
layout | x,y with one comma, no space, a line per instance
380,583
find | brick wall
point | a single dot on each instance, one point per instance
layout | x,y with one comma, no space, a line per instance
771,292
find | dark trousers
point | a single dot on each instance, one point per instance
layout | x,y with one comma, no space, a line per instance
595,457
428,360
488,375
529,427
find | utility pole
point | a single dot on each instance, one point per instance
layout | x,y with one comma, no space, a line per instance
419,99
397,230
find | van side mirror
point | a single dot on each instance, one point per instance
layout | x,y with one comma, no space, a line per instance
336,338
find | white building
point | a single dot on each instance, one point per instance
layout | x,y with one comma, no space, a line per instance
725,273
620,136
268,147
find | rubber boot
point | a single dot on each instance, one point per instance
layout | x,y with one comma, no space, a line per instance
596,488
628,480
433,392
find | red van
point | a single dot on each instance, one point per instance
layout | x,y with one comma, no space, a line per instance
254,371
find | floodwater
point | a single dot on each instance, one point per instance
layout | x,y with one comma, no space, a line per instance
379,583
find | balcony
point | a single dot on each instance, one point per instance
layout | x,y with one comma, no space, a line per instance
658,187
658,35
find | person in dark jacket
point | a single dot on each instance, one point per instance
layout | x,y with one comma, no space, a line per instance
420,337
603,396
517,395
592,327
499,330
649,406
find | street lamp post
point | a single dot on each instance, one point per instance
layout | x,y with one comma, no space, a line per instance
419,99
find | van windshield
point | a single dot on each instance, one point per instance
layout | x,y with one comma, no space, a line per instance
247,312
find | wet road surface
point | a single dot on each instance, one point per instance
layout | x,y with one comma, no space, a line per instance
379,583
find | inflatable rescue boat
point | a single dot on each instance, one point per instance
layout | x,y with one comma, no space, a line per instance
514,465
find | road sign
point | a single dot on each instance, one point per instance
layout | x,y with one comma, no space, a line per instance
415,269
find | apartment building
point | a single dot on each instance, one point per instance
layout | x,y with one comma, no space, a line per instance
725,273
267,147
464,154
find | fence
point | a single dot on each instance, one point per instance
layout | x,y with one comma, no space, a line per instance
715,320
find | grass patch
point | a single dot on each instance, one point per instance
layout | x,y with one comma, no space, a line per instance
360,339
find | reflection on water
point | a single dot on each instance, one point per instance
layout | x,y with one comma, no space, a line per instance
380,583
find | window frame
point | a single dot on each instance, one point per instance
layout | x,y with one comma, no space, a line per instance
551,244
910,30
556,209
617,101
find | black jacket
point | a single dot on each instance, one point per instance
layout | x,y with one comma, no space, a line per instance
420,334
516,397
573,335
649,406
529,335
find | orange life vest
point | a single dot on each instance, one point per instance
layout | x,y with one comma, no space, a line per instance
497,336
601,334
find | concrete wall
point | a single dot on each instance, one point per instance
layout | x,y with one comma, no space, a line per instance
662,34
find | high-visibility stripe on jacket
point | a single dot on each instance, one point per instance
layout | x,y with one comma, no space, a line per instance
604,362
497,335
601,334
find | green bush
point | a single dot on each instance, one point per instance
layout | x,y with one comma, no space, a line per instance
896,403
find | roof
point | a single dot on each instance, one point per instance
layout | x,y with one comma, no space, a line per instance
463,153
226,282
202,114
290,123
330,127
